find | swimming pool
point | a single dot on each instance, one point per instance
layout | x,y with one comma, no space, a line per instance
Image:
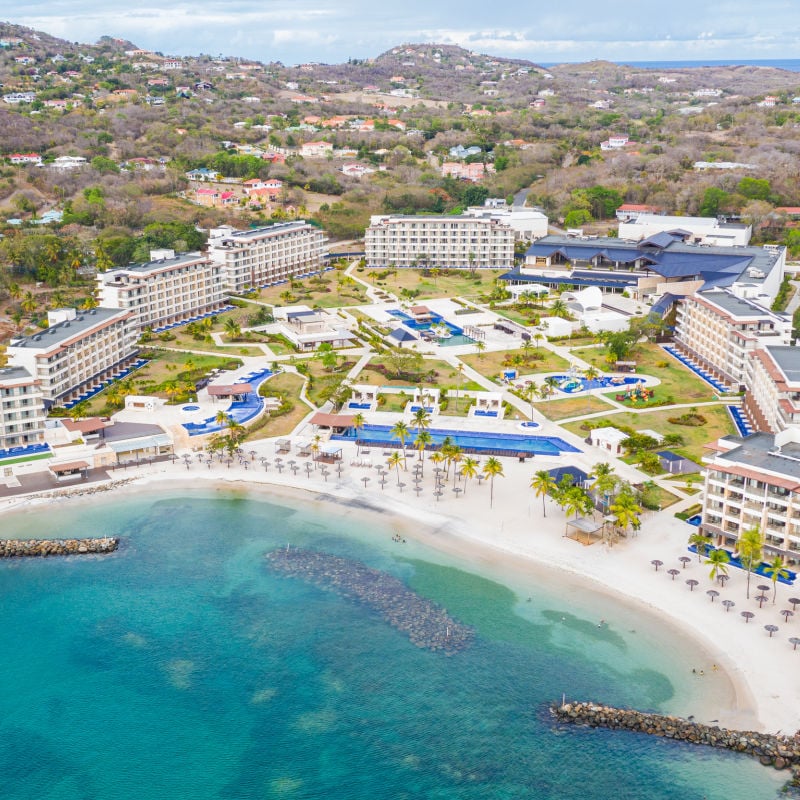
510,444
456,337
570,384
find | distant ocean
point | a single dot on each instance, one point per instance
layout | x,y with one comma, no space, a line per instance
789,64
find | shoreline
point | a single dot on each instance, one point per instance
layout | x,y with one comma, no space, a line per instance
749,704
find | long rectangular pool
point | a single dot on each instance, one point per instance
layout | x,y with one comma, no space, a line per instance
510,444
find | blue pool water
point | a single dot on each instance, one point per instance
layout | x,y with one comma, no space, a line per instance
762,569
456,338
359,406
695,520
479,442
190,408
571,384
180,668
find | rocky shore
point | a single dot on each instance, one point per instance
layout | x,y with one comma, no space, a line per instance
426,624
781,752
39,548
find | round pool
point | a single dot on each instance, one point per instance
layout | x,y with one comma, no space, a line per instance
528,425
190,408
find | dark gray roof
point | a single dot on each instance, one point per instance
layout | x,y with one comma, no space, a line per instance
737,306
788,359
402,335
62,331
130,430
758,451
13,373
183,258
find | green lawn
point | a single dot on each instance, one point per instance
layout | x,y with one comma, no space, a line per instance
322,290
453,283
492,364
571,407
678,384
445,376
718,424
288,385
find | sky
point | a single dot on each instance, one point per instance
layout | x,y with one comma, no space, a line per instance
331,31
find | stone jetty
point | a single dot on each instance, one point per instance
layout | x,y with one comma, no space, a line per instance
40,548
426,624
781,752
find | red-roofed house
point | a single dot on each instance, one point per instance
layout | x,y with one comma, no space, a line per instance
630,211
25,158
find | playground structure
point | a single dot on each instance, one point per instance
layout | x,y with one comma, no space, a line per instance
637,393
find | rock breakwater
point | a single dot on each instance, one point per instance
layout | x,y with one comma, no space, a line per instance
781,752
426,624
40,548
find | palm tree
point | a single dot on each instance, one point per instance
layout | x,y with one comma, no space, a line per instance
28,303
480,347
701,543
551,384
421,442
400,431
543,484
591,373
421,419
491,469
89,303
358,424
460,369
775,572
232,328
437,457
395,460
558,308
719,563
605,481
625,511
447,450
750,547
222,419
530,393
455,457
469,470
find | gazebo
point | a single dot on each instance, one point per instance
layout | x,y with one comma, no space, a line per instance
587,526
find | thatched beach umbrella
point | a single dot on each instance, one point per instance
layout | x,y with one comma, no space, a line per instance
763,588
786,614
684,561
673,572
722,578
795,601
770,629
762,598
794,640
748,615
656,563
712,593
691,583
729,604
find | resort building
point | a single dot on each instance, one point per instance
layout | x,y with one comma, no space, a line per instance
663,264
452,242
165,290
528,224
772,399
755,483
77,351
22,411
264,256
697,230
308,328
718,330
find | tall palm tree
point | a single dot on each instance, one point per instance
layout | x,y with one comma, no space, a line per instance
591,373
625,511
719,560
448,448
480,347
455,457
605,481
28,303
395,460
775,572
701,543
529,394
400,431
551,384
358,424
232,328
421,419
469,470
750,547
543,484
558,308
421,442
491,469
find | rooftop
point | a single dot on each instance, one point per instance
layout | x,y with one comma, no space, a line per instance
154,266
788,360
737,306
64,331
760,452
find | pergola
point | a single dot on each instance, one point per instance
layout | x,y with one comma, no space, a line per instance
584,525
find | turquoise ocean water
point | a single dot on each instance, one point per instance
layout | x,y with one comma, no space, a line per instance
181,668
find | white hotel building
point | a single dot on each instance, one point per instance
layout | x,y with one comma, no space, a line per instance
452,242
720,329
77,351
22,411
165,290
755,482
266,255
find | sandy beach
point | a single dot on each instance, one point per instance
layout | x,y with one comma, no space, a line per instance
751,678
